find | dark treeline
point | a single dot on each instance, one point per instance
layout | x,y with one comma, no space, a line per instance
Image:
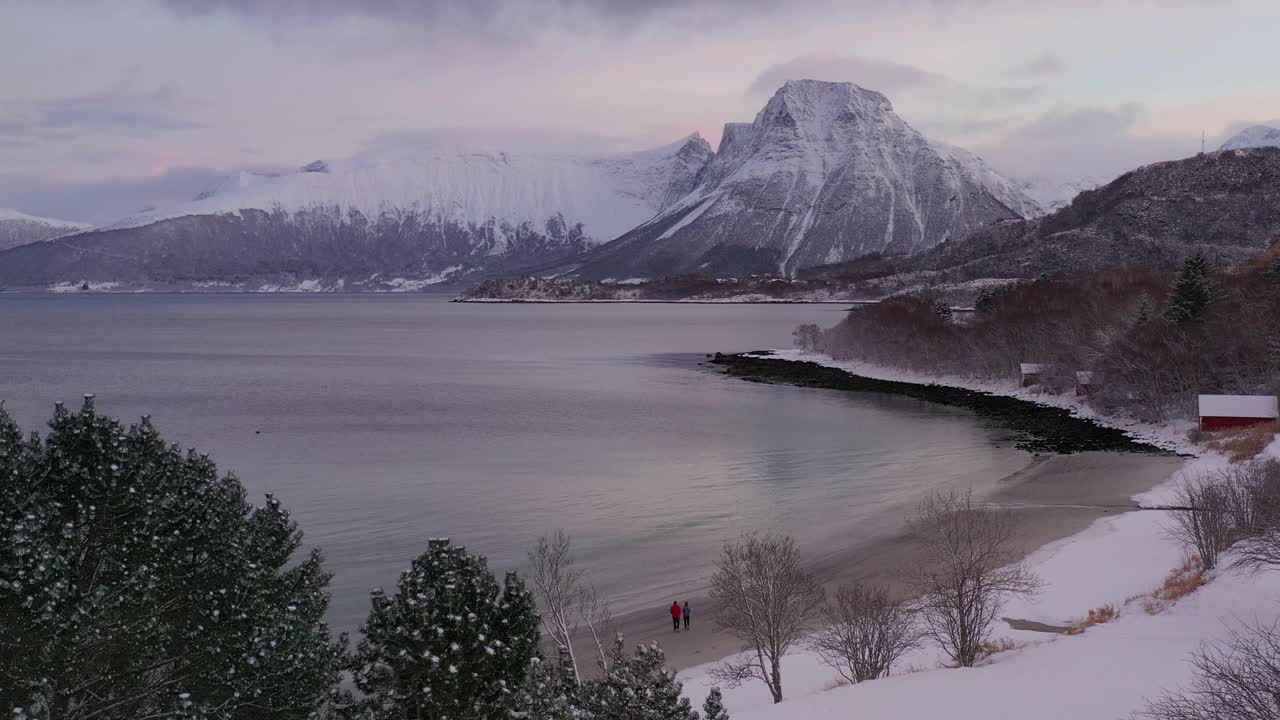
1153,342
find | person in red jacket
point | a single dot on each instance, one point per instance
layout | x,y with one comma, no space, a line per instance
675,615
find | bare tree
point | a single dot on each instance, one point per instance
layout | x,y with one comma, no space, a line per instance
597,616
968,569
768,600
866,631
1202,518
569,600
1237,682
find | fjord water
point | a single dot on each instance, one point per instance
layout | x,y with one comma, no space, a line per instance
382,421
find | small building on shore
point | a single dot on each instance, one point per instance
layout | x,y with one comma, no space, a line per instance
1033,373
1221,412
1084,382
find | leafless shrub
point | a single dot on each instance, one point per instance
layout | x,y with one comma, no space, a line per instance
968,569
1253,497
866,631
768,600
1257,517
808,337
1202,518
568,600
1237,682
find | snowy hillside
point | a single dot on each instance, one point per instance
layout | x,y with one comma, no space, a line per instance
826,173
419,213
1056,193
1256,136
608,194
18,228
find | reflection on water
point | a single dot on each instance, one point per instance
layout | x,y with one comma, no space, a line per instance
383,421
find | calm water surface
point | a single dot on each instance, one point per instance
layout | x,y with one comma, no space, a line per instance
382,421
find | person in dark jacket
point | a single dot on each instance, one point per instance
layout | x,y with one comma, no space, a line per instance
686,614
675,615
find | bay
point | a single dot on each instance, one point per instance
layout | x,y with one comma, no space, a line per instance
382,421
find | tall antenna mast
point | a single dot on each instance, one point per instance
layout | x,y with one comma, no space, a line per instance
1201,142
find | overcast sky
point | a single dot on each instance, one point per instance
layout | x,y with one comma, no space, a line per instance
106,107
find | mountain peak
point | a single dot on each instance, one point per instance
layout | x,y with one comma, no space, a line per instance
1255,136
831,113
815,91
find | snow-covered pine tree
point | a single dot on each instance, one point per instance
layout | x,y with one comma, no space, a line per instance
639,687
136,582
713,706
450,643
549,692
1192,292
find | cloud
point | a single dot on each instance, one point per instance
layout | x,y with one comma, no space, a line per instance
1083,142
1239,125
102,201
24,122
495,18
1047,64
881,75
891,78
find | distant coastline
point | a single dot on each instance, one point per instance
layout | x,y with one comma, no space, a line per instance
1036,427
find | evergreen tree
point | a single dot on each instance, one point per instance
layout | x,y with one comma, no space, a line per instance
1192,292
1272,273
986,300
548,693
1142,314
713,707
135,582
943,310
450,643
636,688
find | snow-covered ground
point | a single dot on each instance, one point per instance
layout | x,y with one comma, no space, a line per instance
1107,672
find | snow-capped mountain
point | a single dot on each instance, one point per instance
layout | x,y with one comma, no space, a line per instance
427,211
608,194
826,173
1251,137
1056,193
18,228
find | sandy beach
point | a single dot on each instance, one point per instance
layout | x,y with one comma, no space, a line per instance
1055,496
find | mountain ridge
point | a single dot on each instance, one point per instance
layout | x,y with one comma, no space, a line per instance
19,228
825,173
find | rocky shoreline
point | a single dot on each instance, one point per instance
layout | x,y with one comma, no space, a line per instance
1036,428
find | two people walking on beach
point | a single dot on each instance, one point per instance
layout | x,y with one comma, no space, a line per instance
677,613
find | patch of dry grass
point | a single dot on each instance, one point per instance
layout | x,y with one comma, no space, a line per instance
1180,583
999,645
1096,616
1241,444
836,682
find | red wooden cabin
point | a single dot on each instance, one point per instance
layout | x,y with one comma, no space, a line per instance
1219,412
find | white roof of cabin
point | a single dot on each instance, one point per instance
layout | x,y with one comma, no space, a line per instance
1084,377
1033,368
1249,406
